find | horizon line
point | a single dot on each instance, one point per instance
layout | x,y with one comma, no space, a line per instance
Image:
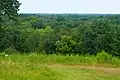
62,13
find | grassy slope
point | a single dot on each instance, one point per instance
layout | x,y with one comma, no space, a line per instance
56,67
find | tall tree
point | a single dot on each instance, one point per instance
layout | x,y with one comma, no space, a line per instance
9,8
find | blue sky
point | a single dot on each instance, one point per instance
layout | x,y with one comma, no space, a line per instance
70,6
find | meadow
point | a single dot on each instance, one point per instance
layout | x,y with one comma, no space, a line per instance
35,66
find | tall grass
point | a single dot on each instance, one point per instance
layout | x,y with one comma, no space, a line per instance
26,71
101,59
35,67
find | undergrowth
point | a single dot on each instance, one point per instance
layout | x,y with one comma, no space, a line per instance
101,59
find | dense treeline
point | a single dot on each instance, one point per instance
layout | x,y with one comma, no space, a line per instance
62,33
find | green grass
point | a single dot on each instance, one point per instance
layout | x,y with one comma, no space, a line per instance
58,67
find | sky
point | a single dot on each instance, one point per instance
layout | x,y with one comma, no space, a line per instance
70,6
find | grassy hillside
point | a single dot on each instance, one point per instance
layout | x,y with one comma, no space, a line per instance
59,67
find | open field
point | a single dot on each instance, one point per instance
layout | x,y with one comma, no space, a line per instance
57,67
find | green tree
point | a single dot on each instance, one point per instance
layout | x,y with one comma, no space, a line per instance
66,45
23,45
9,8
9,37
48,39
106,36
32,41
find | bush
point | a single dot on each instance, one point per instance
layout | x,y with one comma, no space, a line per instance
103,57
10,50
2,54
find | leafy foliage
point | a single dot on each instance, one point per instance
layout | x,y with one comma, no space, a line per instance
10,50
8,8
62,33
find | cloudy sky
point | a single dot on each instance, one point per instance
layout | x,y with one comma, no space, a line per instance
70,6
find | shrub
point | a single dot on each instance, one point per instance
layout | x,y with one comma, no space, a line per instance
10,50
2,54
103,57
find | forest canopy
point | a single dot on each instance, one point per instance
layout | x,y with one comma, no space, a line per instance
62,33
